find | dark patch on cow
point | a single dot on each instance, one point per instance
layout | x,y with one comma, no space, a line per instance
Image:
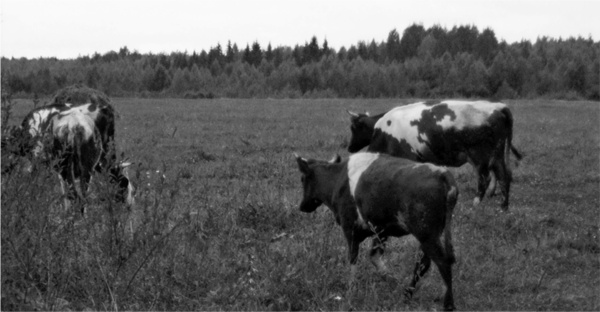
430,118
383,142
362,130
79,94
389,123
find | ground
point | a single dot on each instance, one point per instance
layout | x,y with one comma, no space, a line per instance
217,224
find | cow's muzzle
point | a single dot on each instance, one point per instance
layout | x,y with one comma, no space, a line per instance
310,205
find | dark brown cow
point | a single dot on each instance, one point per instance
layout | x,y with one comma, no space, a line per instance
376,194
447,133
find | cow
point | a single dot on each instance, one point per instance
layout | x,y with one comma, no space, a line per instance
77,138
373,194
78,144
446,133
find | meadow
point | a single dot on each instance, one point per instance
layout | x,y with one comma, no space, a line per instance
217,227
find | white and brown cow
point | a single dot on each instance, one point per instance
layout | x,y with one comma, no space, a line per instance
447,133
373,194
79,140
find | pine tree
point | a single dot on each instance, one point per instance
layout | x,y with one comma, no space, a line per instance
256,54
269,53
230,55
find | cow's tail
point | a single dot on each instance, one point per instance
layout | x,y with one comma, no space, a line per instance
509,146
451,199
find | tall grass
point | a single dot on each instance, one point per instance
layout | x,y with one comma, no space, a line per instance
216,225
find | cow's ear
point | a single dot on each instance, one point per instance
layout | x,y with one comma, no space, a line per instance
353,114
336,159
302,163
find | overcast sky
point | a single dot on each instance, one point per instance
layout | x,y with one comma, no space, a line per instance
72,28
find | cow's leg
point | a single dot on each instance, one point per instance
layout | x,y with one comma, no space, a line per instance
505,177
83,188
491,189
488,179
482,174
376,254
353,247
434,250
422,266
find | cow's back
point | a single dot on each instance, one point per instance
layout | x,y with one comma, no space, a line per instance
394,192
438,133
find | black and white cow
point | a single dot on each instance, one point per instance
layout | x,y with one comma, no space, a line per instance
78,143
447,133
373,194
78,139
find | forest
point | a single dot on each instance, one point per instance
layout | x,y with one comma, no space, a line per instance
421,62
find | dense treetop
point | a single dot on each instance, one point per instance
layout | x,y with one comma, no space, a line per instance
420,62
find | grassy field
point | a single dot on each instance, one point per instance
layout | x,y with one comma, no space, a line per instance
216,225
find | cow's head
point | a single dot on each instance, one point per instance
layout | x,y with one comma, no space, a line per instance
314,181
362,131
119,175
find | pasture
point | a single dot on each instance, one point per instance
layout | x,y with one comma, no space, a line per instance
217,226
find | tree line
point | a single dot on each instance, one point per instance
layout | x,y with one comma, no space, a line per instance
427,63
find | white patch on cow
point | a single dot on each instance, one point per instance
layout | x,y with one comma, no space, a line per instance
357,164
400,127
468,113
38,121
65,123
431,167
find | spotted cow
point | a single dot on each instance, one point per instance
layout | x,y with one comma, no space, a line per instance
373,194
78,139
447,133
78,144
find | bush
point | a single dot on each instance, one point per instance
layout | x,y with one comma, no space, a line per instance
55,258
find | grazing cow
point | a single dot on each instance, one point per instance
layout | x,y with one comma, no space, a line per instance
377,194
78,144
447,133
80,137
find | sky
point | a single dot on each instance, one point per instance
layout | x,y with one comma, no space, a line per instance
71,28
